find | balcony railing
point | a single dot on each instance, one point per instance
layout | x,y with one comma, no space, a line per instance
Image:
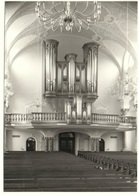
128,119
49,117
62,117
35,117
18,118
105,118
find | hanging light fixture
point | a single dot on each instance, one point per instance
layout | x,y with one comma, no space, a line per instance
67,15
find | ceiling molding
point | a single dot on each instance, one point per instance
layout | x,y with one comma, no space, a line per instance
25,9
29,45
106,51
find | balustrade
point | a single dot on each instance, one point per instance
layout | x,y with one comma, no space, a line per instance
105,118
62,117
128,119
9,118
49,116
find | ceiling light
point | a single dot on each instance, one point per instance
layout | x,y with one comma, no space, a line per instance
67,15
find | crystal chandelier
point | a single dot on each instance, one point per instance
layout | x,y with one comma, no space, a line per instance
67,15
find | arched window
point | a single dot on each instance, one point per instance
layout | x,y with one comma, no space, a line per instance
30,144
101,145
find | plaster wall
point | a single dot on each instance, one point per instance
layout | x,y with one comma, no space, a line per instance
113,141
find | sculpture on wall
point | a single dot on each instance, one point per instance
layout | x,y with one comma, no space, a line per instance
8,91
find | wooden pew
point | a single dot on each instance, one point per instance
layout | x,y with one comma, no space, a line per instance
120,161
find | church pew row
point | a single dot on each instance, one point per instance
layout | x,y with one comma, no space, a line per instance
60,172
123,162
71,184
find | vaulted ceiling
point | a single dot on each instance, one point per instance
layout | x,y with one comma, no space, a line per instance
116,31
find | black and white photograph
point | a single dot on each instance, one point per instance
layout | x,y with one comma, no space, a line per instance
69,105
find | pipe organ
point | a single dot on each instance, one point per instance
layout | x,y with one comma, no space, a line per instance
76,82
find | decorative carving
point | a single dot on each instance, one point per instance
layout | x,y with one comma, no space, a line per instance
109,18
97,38
70,57
49,134
8,90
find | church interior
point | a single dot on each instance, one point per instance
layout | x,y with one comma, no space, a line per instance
70,88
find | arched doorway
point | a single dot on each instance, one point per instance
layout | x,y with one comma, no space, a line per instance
101,145
67,142
30,144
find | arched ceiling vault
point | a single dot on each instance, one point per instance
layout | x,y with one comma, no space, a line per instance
115,22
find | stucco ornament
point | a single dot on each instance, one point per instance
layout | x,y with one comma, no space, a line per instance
8,90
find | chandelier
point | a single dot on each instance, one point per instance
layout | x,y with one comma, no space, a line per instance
67,15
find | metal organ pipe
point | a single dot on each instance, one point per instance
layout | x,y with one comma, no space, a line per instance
50,65
90,51
71,59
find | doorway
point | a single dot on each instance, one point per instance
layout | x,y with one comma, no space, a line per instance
101,145
30,144
67,142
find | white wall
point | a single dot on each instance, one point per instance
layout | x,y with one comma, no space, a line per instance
19,143
82,141
113,144
26,79
130,136
107,74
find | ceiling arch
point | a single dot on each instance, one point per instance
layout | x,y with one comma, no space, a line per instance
110,27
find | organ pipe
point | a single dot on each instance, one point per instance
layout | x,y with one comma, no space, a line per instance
50,65
71,60
90,51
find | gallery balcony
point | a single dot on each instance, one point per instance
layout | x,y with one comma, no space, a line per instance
45,119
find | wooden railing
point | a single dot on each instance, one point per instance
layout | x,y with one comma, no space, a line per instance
61,117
